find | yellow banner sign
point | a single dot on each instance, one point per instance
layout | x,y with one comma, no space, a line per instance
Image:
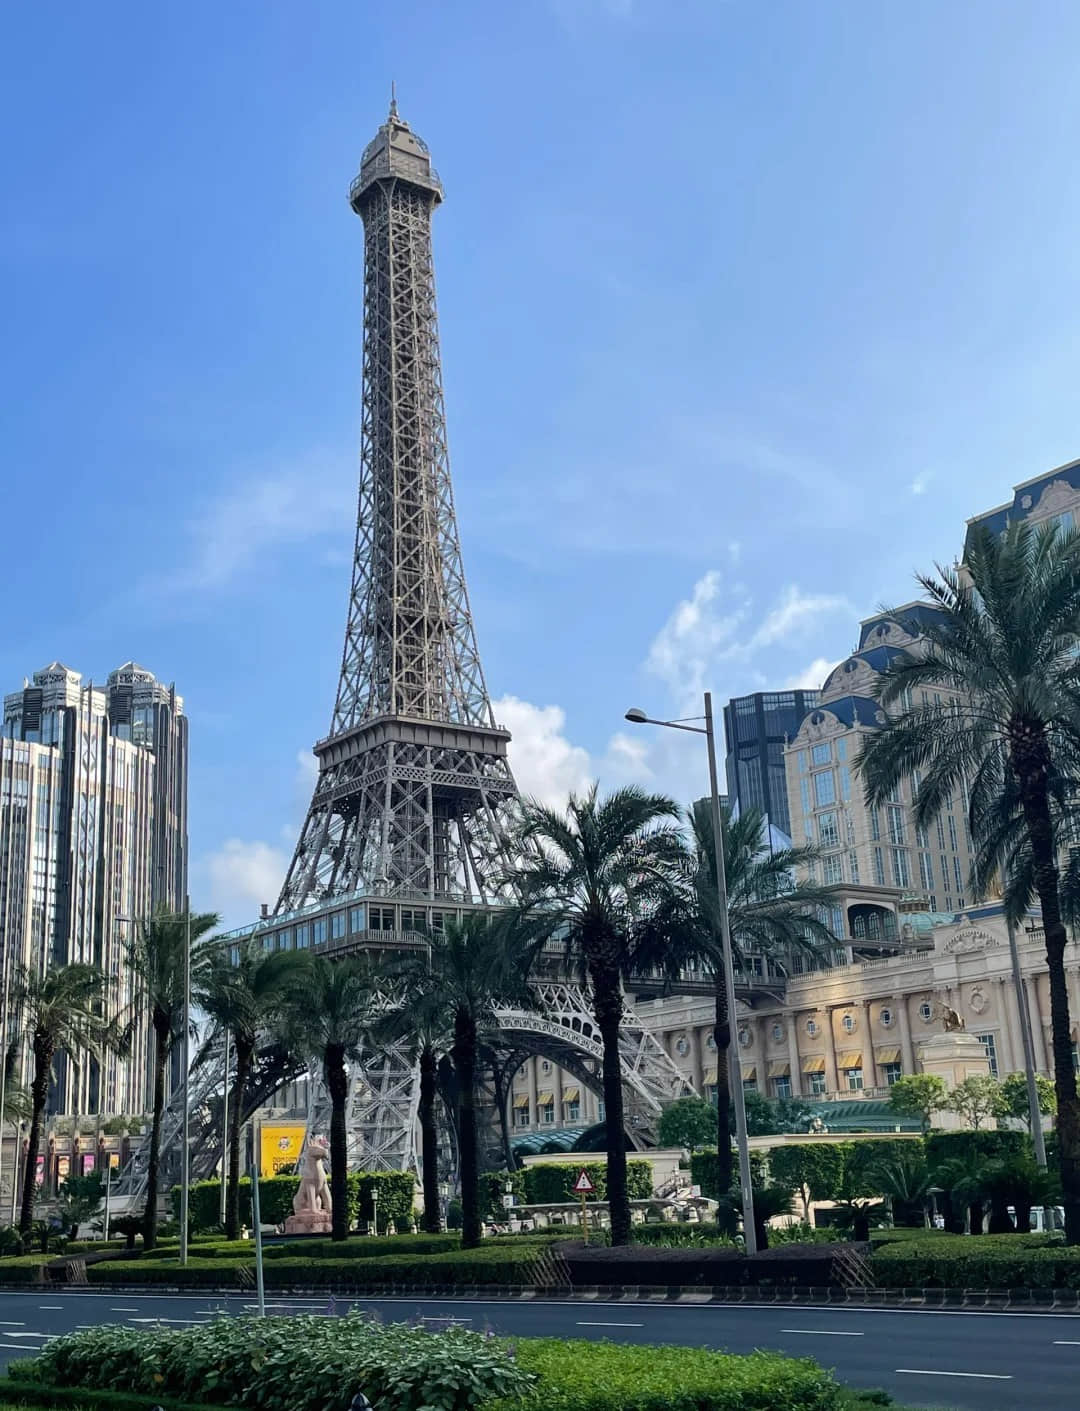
279,1149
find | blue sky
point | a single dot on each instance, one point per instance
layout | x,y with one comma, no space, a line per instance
745,306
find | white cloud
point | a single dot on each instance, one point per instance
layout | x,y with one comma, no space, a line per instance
545,764
240,876
260,513
712,628
812,677
921,481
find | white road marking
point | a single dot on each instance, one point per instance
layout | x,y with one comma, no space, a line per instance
822,1333
931,1372
7,1323
50,1307
1065,1342
28,1335
123,1310
447,1318
159,1319
583,1323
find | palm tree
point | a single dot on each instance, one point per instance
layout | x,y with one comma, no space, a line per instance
589,876
156,957
245,996
1003,646
420,1020
328,1015
769,914
61,1010
467,969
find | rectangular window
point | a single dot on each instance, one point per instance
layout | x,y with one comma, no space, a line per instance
849,829
893,796
940,833
356,919
781,1087
836,920
952,833
284,939
875,825
920,836
879,867
845,784
824,788
337,925
804,792
926,871
822,754
571,1111
817,1084
897,827
749,1085
854,1079
438,919
890,1072
958,877
547,1115
802,761
382,918
828,832
841,749
318,931
916,783
521,1117
853,867
301,938
833,869
901,874
989,1044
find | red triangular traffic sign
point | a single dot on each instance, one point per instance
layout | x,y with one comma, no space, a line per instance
583,1186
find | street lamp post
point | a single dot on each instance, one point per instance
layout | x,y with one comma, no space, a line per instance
638,717
185,1140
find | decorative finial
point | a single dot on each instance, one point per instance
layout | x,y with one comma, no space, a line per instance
393,99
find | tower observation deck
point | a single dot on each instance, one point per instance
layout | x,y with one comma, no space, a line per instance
413,775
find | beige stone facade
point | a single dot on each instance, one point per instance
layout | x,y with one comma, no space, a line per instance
849,1032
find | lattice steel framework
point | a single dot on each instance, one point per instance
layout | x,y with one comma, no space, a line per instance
413,775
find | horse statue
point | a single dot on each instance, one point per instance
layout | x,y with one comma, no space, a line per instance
312,1206
953,1022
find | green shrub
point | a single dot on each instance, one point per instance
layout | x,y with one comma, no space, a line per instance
553,1183
703,1172
604,1376
302,1364
395,1199
672,1235
977,1262
493,1188
24,1268
974,1147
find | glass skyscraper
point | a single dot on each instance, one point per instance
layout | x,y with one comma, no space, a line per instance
756,729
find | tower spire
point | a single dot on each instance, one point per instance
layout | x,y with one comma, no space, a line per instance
393,99
414,774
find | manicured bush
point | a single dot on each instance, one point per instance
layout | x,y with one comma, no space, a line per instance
303,1364
492,1190
974,1147
395,1199
24,1268
318,1364
681,1235
977,1262
703,1172
605,1376
551,1184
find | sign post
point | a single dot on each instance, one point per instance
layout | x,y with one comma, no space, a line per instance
584,1187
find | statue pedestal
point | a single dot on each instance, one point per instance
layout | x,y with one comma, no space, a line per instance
309,1222
953,1057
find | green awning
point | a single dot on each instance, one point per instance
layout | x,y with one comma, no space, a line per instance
870,1115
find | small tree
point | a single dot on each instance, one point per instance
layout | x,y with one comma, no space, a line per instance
918,1095
813,1171
975,1099
77,1201
688,1122
1013,1097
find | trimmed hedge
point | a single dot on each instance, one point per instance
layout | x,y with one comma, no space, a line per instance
318,1364
24,1268
553,1183
977,1262
395,1199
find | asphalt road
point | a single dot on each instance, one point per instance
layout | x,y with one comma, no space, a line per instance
989,1361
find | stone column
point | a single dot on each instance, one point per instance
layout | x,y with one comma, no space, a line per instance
793,1055
907,1049
1009,1061
1011,1005
1038,1037
869,1066
534,1108
831,1084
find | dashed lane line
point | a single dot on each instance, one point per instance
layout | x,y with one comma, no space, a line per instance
822,1333
934,1372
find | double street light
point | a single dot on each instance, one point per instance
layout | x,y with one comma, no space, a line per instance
638,717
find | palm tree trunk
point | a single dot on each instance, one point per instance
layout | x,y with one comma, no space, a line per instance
429,1138
244,1051
150,1215
725,1170
39,1091
608,1007
465,1066
1030,758
337,1084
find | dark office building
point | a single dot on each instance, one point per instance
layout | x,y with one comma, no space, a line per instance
756,729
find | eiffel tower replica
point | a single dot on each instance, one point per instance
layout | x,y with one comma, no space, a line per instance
413,776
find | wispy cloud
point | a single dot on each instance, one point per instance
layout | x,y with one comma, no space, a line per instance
921,481
267,511
812,677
